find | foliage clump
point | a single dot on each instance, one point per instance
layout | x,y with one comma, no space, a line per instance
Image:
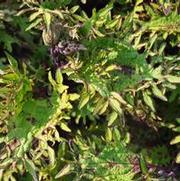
79,80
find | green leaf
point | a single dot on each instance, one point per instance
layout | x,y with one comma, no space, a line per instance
157,92
175,140
143,165
30,167
11,77
13,63
65,171
173,79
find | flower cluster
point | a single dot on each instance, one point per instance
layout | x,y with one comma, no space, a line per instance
66,48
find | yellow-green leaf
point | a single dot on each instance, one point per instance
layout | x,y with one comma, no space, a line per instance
58,12
34,24
74,9
108,134
83,1
13,63
111,118
148,101
84,100
65,127
157,92
74,96
59,77
112,23
51,155
47,19
33,16
30,167
173,79
105,11
175,140
157,72
118,97
115,105
178,158
51,80
99,105
98,33
66,170
111,68
104,108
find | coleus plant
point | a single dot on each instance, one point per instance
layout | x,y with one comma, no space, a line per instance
109,78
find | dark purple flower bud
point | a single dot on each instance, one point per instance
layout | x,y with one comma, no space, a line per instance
68,47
